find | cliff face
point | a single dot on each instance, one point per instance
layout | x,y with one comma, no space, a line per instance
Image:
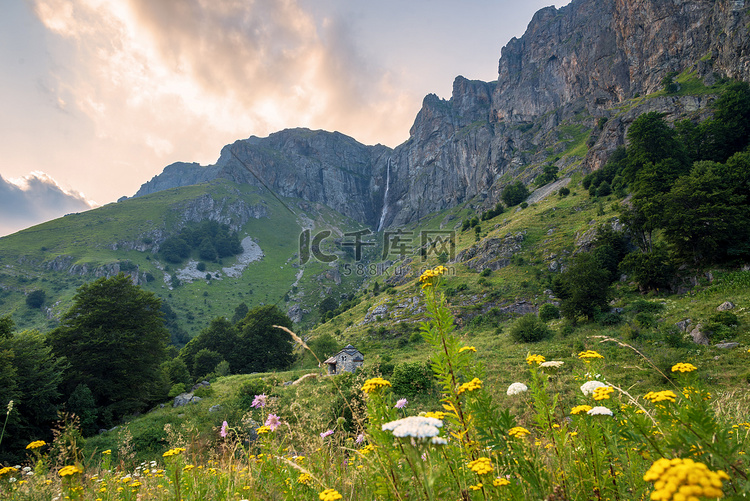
569,70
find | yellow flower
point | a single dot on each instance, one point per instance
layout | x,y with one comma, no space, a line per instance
107,452
602,393
69,470
683,367
660,396
475,487
262,430
188,467
367,449
684,479
518,432
499,482
304,478
481,466
427,277
472,385
589,355
173,452
435,414
374,384
7,469
36,444
467,348
329,495
534,359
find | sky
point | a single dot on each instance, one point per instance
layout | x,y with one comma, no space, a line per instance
98,96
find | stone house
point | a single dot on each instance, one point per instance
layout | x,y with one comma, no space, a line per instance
347,360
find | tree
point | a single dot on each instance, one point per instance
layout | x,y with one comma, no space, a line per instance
514,194
221,337
583,288
651,140
35,299
81,403
114,339
263,347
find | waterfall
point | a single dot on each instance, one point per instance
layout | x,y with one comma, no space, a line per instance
385,197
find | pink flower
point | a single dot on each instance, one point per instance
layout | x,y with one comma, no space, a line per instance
327,433
273,421
360,438
259,401
401,403
223,431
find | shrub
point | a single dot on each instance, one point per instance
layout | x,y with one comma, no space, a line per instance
548,311
176,389
514,194
645,320
485,272
36,299
529,329
564,191
410,379
724,317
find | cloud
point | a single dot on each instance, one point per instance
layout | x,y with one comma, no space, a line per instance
33,199
158,73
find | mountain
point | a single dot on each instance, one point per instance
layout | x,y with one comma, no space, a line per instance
566,93
560,86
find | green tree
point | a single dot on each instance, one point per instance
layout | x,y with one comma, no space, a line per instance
515,193
205,362
114,339
529,329
651,140
651,270
263,347
583,288
82,404
239,313
324,346
35,299
221,337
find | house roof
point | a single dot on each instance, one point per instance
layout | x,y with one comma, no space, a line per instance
330,360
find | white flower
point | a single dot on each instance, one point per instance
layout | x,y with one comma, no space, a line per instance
589,386
517,388
599,411
414,426
439,441
555,364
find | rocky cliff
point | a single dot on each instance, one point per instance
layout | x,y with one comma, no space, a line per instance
558,98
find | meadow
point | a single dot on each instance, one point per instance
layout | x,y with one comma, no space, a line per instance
565,428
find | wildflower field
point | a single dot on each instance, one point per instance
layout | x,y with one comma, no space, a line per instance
595,440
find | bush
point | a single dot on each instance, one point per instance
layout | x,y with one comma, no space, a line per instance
548,311
609,318
725,317
410,379
645,320
564,191
514,194
176,389
36,299
529,329
485,272
247,392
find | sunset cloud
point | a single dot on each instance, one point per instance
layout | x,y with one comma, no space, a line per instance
33,199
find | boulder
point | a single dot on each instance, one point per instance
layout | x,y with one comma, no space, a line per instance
683,324
699,337
185,398
728,345
725,306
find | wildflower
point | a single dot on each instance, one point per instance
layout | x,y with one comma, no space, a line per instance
534,359
7,469
472,385
428,275
272,421
684,479
439,441
326,433
69,470
188,467
552,364
467,348
374,384
682,367
107,452
260,401
589,386
476,487
173,452
401,403
414,426
329,495
304,478
481,466
517,388
367,449
580,409
602,392
589,355
262,430
499,482
518,432
660,396
36,444
360,438
223,431
10,407
599,411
